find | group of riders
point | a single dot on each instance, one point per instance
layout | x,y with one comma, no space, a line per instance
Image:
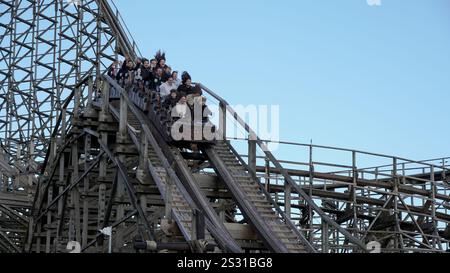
162,86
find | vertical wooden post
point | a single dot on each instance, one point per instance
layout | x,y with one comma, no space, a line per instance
105,100
142,173
287,199
444,171
222,213
102,190
38,239
90,92
398,239
436,242
87,149
120,212
76,193
2,187
30,235
77,102
49,222
169,198
29,185
267,174
198,225
353,192
222,122
325,236
194,224
61,185
123,120
252,155
122,139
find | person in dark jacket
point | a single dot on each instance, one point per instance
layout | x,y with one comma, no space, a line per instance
167,73
138,63
185,76
186,85
146,73
157,80
138,70
171,100
123,69
125,73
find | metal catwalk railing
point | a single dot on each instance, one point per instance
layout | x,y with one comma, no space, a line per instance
418,192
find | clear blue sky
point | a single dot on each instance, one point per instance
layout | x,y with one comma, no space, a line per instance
344,73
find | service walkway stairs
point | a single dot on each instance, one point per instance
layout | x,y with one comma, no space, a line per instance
254,204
